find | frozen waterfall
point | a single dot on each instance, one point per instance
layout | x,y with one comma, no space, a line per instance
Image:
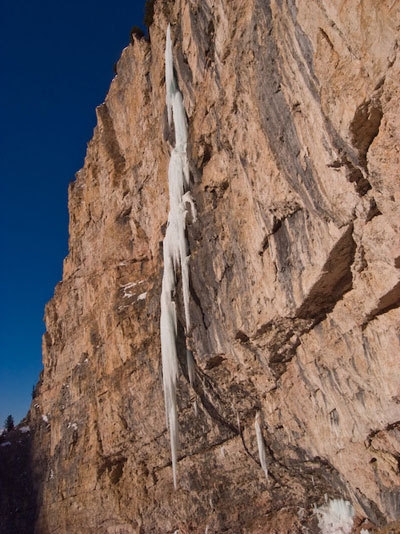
175,251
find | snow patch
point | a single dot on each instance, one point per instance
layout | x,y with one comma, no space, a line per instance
131,284
335,517
142,296
5,444
45,418
24,429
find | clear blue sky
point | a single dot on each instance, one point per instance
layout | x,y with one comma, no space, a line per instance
56,66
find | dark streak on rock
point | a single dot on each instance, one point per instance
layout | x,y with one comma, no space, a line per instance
277,118
110,140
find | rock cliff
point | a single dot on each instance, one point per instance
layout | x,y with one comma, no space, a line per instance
294,156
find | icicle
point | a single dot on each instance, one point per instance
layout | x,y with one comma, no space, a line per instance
261,444
175,251
169,74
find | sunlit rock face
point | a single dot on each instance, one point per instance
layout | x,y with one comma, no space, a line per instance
293,150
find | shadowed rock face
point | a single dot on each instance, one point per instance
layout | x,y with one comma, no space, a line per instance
17,495
294,150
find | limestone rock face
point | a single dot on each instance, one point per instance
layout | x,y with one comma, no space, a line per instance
294,153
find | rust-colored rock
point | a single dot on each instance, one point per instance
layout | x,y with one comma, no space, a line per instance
294,151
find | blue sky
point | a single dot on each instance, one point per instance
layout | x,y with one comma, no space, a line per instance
57,64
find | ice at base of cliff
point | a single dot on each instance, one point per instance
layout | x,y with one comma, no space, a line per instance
335,517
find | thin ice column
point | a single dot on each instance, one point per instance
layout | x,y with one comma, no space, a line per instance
175,249
261,444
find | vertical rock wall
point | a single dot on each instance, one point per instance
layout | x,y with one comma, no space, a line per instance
294,151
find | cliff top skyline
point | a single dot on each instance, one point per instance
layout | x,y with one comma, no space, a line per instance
57,66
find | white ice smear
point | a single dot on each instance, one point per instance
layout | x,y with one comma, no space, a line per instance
175,250
127,287
335,517
261,444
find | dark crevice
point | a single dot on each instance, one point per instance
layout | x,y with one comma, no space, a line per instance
110,140
276,226
124,217
354,174
335,279
373,210
389,301
114,466
181,348
326,38
214,361
196,300
365,127
281,338
241,336
356,177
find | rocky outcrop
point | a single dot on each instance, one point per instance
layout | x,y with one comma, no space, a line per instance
294,151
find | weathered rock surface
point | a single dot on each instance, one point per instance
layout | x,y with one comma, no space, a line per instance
294,155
